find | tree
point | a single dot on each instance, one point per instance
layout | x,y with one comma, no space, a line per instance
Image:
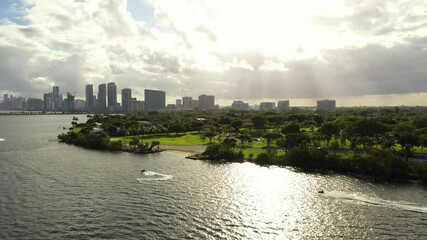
258,122
407,137
362,131
230,141
209,131
244,136
270,136
176,127
294,140
329,129
292,127
236,124
133,143
154,144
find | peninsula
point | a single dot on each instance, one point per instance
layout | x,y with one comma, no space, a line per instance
382,143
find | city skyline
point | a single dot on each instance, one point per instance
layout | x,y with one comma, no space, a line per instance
154,100
357,52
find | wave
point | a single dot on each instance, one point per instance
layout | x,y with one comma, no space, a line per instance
376,201
153,176
2,139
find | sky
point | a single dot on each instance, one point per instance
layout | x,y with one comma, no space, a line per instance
359,52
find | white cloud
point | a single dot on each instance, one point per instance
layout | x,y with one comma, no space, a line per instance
232,49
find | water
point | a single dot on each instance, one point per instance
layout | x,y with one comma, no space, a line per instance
51,190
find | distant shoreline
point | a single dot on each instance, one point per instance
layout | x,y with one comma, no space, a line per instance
193,149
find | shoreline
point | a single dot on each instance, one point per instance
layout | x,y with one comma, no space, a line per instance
192,149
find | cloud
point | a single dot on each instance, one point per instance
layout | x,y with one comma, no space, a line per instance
273,49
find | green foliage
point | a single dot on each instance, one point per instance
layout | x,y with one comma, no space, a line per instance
217,151
258,122
270,136
292,127
294,140
115,145
265,158
328,130
232,142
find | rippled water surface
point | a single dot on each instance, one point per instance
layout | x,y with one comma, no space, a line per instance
51,190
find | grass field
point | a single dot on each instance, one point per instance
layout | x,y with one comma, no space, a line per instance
187,139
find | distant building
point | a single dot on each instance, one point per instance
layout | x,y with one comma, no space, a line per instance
48,102
206,102
34,104
178,103
283,105
171,107
102,97
70,102
267,105
56,98
79,104
239,105
186,102
136,106
112,96
326,104
89,98
126,98
194,104
154,100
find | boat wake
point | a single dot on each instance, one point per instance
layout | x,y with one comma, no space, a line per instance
375,201
153,176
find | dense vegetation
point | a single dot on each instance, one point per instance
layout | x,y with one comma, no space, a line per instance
382,142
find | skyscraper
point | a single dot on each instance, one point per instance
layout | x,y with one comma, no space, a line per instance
206,102
126,98
112,96
48,101
267,105
154,100
89,98
283,105
186,102
102,97
55,98
70,105
326,104
178,103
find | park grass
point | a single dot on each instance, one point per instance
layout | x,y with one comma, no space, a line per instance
187,139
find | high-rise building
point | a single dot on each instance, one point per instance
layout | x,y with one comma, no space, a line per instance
194,104
178,103
154,100
136,106
34,104
326,104
89,98
102,97
126,98
206,102
267,105
239,105
48,102
79,104
186,102
56,99
283,105
112,96
70,105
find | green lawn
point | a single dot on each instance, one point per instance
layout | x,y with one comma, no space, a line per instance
187,139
